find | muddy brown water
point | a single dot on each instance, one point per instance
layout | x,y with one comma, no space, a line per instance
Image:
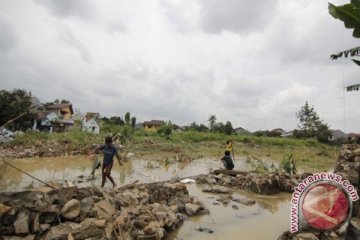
267,219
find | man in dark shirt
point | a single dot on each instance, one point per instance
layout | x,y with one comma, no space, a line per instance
109,152
227,161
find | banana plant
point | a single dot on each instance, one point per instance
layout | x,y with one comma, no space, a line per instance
350,15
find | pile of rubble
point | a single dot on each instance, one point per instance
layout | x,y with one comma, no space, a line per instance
7,135
259,183
348,166
147,211
42,149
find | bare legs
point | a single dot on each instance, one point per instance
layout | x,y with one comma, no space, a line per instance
106,171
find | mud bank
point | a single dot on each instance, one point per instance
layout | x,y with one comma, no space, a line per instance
146,211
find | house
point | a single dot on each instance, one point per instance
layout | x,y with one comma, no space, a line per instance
63,110
278,131
50,121
337,135
90,124
241,130
152,125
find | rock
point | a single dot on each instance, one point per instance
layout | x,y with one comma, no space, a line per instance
4,208
70,237
354,229
191,209
356,152
28,237
100,223
246,202
151,228
174,208
215,189
71,209
87,204
44,227
49,215
235,207
21,224
104,209
305,236
35,225
224,199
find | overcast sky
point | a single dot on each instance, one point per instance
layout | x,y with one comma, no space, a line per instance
251,62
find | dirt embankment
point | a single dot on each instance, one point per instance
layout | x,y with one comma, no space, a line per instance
43,148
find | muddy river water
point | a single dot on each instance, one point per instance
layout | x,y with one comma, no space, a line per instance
265,220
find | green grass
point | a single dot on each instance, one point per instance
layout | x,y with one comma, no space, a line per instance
309,154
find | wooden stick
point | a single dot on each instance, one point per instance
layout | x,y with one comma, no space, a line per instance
28,174
11,120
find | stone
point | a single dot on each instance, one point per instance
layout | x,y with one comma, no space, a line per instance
174,208
151,228
246,201
49,215
71,209
35,225
28,237
356,152
191,209
305,236
70,237
215,189
44,227
21,224
104,209
354,228
235,207
100,223
4,208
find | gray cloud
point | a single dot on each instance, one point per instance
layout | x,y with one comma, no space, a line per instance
68,8
8,38
236,16
69,38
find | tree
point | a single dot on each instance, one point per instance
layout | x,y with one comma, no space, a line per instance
212,121
310,124
133,123
228,129
350,15
127,118
116,120
165,130
14,103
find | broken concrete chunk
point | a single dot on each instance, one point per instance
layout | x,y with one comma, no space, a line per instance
191,209
21,224
71,209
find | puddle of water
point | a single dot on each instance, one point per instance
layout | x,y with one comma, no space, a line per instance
249,222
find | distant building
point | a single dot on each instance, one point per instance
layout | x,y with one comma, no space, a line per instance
241,130
90,125
153,125
63,111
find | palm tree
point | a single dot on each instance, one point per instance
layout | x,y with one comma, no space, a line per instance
212,121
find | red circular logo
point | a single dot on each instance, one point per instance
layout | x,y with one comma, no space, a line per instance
325,206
